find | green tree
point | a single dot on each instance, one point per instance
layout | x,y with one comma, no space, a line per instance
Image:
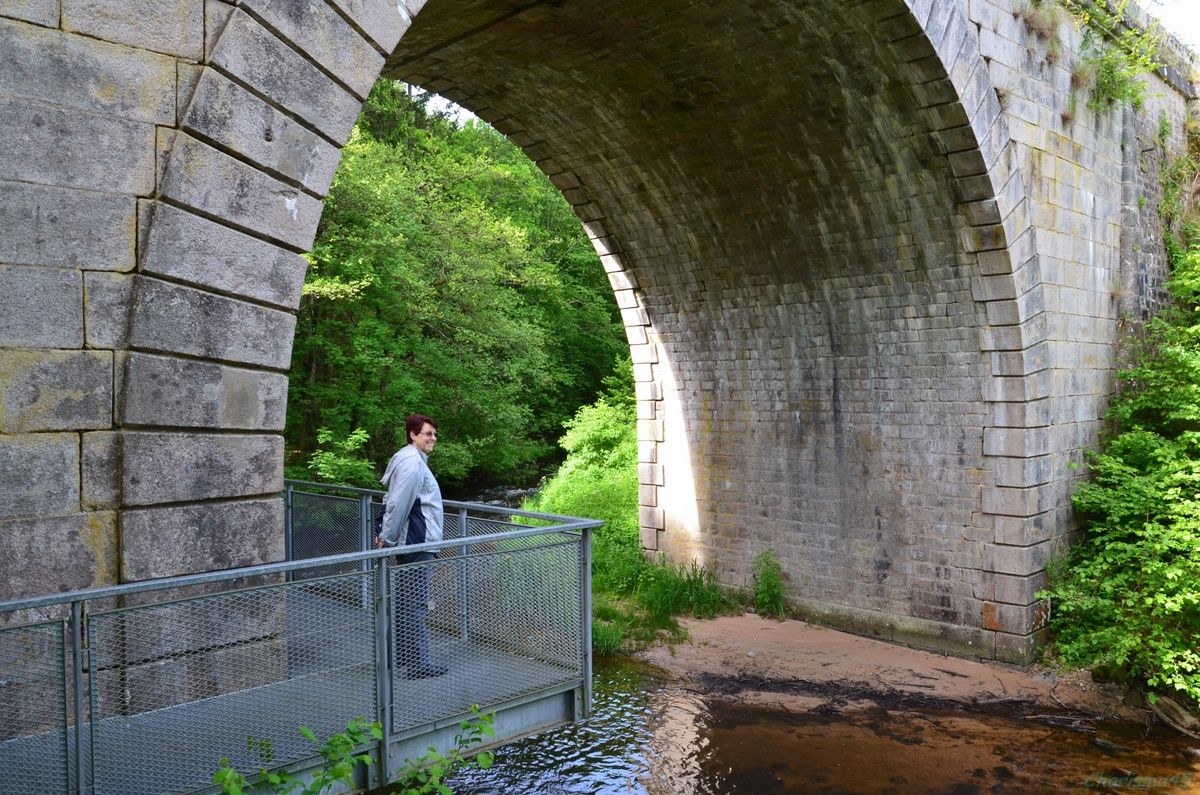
448,277
1128,597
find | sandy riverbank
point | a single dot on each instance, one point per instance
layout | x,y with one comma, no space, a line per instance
797,666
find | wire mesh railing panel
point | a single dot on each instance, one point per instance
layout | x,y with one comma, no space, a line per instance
498,624
33,710
177,686
324,524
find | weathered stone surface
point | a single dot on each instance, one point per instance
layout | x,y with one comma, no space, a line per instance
189,676
53,66
106,299
40,308
55,146
176,319
99,470
175,27
43,12
161,542
199,176
322,33
224,112
60,226
48,482
55,390
162,390
178,467
196,250
58,553
383,20
252,54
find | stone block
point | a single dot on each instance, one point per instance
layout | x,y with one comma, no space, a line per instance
649,538
1021,561
1018,590
48,464
648,495
199,176
106,298
188,675
78,72
1020,649
384,21
1015,619
184,539
1009,501
195,250
162,390
651,474
180,467
99,470
59,226
43,12
40,308
252,54
1034,414
321,32
175,27
70,148
651,517
53,554
50,390
1022,472
1016,442
226,113
175,319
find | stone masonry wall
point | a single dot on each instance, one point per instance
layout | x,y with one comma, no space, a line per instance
871,260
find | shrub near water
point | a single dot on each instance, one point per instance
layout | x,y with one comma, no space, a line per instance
1128,600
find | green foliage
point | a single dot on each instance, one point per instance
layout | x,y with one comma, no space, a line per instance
767,585
1129,599
337,753
1118,54
428,775
341,460
448,277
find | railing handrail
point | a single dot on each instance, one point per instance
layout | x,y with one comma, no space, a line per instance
481,506
110,591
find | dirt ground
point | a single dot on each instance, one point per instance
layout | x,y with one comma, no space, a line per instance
801,667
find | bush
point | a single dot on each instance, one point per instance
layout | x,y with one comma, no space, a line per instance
768,585
1129,598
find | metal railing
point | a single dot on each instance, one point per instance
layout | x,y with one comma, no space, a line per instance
143,688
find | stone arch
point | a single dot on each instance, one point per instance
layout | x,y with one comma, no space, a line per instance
936,50
243,171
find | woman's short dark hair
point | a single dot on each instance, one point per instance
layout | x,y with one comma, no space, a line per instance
414,424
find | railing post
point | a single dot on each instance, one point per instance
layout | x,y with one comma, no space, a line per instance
364,541
289,551
464,592
383,671
77,652
585,615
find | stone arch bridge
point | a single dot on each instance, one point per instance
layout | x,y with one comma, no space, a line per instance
871,257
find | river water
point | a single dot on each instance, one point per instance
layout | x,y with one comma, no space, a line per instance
649,734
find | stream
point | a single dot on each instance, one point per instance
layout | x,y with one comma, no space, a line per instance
649,734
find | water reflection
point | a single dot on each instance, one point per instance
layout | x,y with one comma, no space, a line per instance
650,735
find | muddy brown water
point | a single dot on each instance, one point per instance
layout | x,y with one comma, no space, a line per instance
649,734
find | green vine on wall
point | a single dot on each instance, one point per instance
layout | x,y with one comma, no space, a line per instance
1117,53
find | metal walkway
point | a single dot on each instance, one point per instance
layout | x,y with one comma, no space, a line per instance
169,688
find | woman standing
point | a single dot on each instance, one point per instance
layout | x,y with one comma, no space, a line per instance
412,514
